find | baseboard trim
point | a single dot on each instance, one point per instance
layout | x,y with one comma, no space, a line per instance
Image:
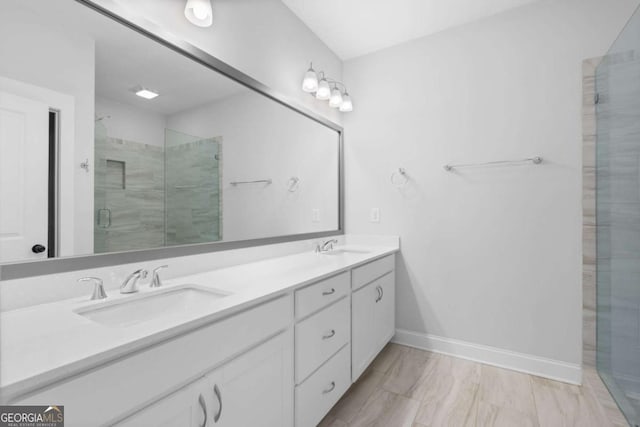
535,365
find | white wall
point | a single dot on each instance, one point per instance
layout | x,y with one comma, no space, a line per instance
261,38
264,140
489,256
131,123
36,52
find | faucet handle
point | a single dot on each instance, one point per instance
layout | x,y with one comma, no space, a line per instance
98,289
156,282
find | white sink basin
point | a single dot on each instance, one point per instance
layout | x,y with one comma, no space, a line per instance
145,307
343,251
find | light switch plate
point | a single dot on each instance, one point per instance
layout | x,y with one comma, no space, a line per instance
374,216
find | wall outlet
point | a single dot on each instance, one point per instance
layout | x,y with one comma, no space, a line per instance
374,216
315,215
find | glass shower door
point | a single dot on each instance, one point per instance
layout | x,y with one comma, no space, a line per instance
192,165
618,220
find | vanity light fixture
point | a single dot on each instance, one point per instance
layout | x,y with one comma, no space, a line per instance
322,90
310,81
336,97
199,12
145,93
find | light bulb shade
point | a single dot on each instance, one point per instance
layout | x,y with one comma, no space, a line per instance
336,98
346,105
310,81
199,12
324,91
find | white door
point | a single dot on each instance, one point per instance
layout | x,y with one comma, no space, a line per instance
184,408
24,175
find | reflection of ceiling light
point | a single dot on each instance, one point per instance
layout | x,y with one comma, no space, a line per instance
199,12
146,93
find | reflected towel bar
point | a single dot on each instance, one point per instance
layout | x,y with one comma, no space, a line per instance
535,160
266,181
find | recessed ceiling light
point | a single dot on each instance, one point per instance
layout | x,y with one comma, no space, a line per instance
146,93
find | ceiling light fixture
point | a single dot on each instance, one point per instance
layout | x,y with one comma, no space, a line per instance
145,93
322,90
199,12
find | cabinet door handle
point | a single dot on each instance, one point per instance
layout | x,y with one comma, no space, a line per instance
329,335
331,292
216,391
379,290
330,388
204,410
381,293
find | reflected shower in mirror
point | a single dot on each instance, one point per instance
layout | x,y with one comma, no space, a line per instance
114,142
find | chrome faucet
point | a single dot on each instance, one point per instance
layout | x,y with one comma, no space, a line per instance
130,284
98,289
326,246
156,282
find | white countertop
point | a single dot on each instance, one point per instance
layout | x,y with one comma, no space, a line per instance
43,344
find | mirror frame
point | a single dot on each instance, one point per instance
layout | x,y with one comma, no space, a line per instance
154,32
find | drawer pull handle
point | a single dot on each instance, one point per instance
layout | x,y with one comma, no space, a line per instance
379,290
216,391
329,335
330,388
204,410
331,292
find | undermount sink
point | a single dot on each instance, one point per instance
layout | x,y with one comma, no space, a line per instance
145,307
342,251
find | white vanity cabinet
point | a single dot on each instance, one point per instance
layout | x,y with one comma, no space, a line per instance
372,312
254,389
282,362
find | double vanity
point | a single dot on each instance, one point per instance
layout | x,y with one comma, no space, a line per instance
269,343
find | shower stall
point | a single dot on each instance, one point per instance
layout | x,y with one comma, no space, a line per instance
149,195
617,81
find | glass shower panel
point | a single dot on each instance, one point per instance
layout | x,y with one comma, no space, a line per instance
193,213
618,220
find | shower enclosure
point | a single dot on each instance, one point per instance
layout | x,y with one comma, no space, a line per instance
618,220
154,195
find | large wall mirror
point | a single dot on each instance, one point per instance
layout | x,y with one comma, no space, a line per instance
112,141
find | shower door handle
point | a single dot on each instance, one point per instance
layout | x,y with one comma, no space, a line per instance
107,217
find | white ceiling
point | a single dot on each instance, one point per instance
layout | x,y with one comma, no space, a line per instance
353,28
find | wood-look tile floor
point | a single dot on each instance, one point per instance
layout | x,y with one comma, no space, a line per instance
406,387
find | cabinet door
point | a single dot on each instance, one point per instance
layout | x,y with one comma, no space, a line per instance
373,321
385,317
256,388
363,334
184,408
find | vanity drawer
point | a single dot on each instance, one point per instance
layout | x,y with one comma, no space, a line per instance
321,294
131,382
316,396
369,272
320,336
